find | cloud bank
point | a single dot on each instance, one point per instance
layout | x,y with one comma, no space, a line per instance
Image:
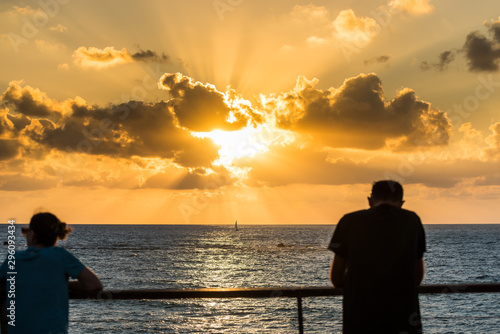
356,115
301,135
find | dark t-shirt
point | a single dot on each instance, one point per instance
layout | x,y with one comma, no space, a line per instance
382,246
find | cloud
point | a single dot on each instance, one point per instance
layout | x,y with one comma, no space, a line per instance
59,28
415,7
25,10
309,13
101,58
445,58
93,57
9,148
151,145
63,67
308,23
307,164
314,40
493,151
19,122
313,23
126,130
148,55
6,125
49,47
351,28
19,182
201,107
9,129
378,60
356,115
30,101
494,28
123,130
482,54
162,129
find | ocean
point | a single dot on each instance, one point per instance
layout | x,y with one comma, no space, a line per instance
207,256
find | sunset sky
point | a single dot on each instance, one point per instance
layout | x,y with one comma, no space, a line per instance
268,112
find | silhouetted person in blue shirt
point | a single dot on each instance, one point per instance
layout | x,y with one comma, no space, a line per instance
379,263
41,279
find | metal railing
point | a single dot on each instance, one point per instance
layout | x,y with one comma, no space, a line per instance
272,292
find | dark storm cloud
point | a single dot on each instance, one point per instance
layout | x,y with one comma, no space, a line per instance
200,107
357,116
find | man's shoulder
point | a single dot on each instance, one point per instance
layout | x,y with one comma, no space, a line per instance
355,216
409,213
366,213
357,213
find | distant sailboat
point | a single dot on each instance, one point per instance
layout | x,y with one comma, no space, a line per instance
236,225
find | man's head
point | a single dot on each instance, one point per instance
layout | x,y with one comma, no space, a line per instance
386,192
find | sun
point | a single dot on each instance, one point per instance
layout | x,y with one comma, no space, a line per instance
246,142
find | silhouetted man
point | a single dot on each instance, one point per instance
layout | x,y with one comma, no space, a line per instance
379,263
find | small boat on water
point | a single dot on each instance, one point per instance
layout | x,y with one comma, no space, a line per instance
236,225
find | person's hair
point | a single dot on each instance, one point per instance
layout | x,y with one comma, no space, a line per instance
48,228
387,190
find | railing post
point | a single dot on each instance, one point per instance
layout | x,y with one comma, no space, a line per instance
301,320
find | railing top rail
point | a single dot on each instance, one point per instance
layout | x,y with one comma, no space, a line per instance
269,292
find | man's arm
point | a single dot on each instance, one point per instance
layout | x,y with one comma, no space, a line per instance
86,280
338,270
420,270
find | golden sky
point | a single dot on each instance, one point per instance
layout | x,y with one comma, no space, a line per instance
268,112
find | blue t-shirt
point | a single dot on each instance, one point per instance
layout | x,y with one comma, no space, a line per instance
41,289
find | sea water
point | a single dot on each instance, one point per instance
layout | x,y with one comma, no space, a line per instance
207,256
